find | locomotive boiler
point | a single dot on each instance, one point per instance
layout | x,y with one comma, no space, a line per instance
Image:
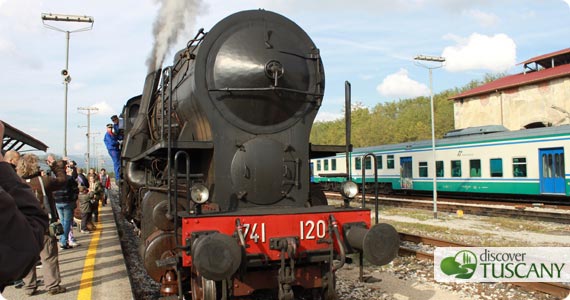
215,168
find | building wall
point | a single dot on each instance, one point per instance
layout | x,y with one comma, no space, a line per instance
514,108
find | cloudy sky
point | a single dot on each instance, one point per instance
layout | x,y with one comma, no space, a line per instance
370,43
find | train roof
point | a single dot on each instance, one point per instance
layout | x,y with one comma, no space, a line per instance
476,130
482,137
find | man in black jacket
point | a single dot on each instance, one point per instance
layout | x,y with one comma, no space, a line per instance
22,224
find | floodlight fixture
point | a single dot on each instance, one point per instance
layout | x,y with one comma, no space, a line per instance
430,58
67,18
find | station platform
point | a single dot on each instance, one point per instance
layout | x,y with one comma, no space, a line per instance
93,270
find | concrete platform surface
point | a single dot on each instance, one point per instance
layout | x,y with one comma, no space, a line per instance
93,270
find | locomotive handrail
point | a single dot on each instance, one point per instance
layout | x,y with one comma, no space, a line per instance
375,183
271,88
187,176
168,71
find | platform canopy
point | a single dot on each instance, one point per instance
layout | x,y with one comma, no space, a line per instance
15,139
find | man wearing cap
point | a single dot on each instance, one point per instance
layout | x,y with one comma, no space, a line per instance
116,128
112,143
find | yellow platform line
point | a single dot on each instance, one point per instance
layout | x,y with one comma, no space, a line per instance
86,283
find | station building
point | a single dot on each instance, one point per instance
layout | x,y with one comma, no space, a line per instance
537,97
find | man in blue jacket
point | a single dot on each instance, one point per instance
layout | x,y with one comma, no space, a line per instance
112,143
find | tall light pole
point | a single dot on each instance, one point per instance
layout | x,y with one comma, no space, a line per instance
65,72
89,110
440,60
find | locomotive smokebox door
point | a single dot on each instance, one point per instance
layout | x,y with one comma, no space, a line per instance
263,171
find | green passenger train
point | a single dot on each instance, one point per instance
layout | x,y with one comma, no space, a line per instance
482,160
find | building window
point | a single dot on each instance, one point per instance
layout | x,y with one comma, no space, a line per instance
390,161
358,163
326,164
475,168
439,168
423,169
379,161
318,165
455,168
519,167
333,164
496,167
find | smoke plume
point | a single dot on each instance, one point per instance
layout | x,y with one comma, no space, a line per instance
174,18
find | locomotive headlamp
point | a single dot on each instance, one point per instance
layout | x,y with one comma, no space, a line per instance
349,189
199,193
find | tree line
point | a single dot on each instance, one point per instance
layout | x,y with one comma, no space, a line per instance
396,121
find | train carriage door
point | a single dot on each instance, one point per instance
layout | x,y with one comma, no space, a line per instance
552,171
406,182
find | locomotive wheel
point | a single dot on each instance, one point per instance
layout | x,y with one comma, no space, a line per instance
205,289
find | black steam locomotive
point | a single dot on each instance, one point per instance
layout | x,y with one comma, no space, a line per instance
215,168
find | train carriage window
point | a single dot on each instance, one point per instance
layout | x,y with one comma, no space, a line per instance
519,166
333,164
390,161
455,168
475,168
379,161
547,165
439,168
368,163
326,164
358,163
423,169
318,165
559,159
496,167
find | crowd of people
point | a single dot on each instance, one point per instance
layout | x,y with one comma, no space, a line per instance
33,202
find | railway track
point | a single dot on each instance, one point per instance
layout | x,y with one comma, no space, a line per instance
512,210
555,289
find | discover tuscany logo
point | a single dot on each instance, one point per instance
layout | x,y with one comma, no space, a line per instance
502,264
462,265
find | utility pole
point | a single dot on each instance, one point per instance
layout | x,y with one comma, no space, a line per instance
95,150
89,110
65,71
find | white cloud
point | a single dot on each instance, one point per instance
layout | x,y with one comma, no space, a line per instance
567,2
105,109
399,85
324,116
483,18
6,46
480,52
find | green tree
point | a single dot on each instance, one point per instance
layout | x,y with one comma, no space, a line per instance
392,122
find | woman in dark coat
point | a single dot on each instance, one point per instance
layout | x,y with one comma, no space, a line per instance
43,186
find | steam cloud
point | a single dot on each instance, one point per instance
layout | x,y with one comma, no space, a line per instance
172,20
